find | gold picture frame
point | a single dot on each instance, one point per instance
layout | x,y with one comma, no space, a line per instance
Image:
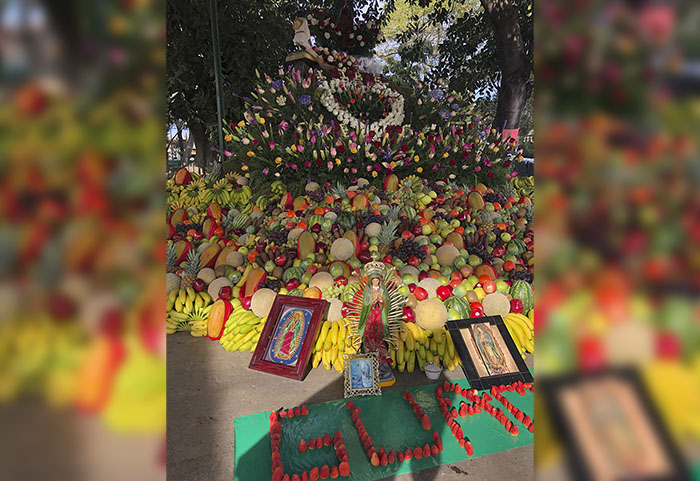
361,375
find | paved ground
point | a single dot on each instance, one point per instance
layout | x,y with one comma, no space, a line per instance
209,387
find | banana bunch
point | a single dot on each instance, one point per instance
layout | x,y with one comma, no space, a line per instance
241,196
524,185
521,329
247,209
262,202
220,192
242,330
278,187
187,310
331,344
416,346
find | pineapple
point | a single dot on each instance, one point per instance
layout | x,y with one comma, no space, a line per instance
338,190
386,237
214,175
170,258
393,212
191,269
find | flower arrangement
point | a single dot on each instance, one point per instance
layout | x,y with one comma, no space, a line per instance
360,37
328,126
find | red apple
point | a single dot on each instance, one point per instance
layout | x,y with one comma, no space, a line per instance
422,275
413,261
340,281
316,228
477,313
418,229
406,234
225,293
499,251
312,269
199,285
420,293
245,302
197,235
454,283
443,292
364,257
408,314
280,260
364,245
292,284
476,306
177,237
412,287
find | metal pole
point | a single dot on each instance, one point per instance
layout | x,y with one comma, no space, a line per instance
217,73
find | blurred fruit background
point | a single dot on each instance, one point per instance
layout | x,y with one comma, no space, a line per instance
617,121
82,371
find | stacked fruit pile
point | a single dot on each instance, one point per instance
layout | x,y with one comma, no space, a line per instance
458,252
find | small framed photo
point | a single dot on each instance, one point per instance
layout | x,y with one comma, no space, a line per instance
285,343
361,374
610,428
488,353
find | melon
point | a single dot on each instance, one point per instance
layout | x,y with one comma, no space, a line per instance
216,285
178,216
235,259
312,186
306,244
321,280
300,203
496,304
360,201
410,270
208,256
330,215
223,255
346,220
295,292
220,312
287,201
203,246
475,200
294,234
208,227
182,248
255,277
342,249
207,275
373,229
431,314
182,177
391,183
430,285
523,291
446,255
262,301
335,307
456,239
352,237
172,282
214,211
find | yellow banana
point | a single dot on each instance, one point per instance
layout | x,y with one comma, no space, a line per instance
182,296
190,294
244,277
334,333
399,351
450,345
173,295
317,359
324,330
410,343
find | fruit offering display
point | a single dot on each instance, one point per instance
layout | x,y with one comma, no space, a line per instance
458,252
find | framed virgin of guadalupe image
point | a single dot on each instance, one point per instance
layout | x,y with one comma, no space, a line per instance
362,374
488,354
284,348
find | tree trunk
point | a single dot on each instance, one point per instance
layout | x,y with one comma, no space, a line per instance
203,156
515,73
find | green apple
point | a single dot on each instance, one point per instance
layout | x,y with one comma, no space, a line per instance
435,239
505,237
398,263
423,241
423,267
432,248
269,266
473,280
444,280
404,290
442,224
488,207
295,263
243,250
408,279
474,260
373,248
446,271
354,262
326,225
455,223
432,194
460,262
373,241
306,277
460,290
502,287
426,229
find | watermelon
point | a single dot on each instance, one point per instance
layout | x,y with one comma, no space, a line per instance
293,273
296,292
346,220
523,291
315,219
460,305
516,247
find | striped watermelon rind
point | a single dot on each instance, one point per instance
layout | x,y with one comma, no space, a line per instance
523,291
459,304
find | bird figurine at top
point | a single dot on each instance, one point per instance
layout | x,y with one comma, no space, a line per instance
302,37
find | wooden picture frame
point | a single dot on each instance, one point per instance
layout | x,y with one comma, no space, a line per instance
361,374
577,405
284,348
476,368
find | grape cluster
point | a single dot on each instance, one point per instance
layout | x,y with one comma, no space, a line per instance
182,228
443,215
495,197
316,195
498,240
368,217
382,195
332,292
523,275
269,283
279,237
439,189
407,249
482,252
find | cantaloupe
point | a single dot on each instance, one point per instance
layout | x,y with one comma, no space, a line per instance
342,249
214,211
182,248
262,301
294,234
330,215
373,229
216,285
252,284
352,237
208,256
360,201
446,255
321,280
430,285
335,311
207,275
496,304
235,259
172,282
475,200
412,271
431,314
223,255
219,314
306,244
